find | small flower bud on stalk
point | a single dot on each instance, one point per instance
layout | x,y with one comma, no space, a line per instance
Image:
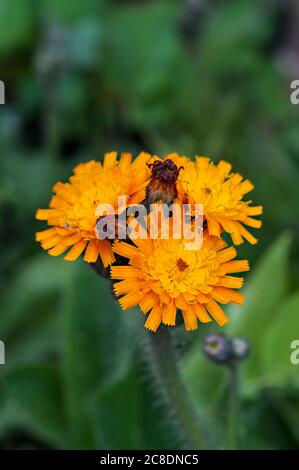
224,350
240,348
229,352
217,348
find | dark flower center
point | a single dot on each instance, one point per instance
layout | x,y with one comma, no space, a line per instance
165,171
181,264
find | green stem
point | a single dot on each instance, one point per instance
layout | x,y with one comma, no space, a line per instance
163,361
232,405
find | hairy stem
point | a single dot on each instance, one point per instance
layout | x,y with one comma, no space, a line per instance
167,375
232,405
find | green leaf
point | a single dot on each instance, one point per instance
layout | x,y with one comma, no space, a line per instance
267,287
29,320
95,348
118,411
33,400
15,24
68,11
242,27
276,365
144,40
85,48
261,426
286,405
35,280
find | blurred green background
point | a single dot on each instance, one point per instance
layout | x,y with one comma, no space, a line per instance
197,77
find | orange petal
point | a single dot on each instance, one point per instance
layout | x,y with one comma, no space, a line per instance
130,300
169,314
125,250
231,282
125,161
124,272
39,236
227,254
51,242
190,320
106,253
92,252
214,228
255,210
58,249
109,159
45,214
125,286
252,222
76,251
250,238
237,266
246,187
148,301
154,319
223,169
201,313
217,313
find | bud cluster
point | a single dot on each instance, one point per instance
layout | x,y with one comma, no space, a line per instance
221,349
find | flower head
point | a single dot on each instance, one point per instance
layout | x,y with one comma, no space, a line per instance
162,277
163,179
222,195
72,213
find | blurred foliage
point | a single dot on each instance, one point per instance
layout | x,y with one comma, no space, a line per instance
86,76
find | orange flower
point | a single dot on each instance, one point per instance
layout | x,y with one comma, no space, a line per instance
163,277
221,193
72,215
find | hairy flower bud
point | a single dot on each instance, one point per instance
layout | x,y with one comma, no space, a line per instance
221,349
217,348
240,348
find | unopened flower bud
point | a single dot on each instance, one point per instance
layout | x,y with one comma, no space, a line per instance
217,348
240,348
